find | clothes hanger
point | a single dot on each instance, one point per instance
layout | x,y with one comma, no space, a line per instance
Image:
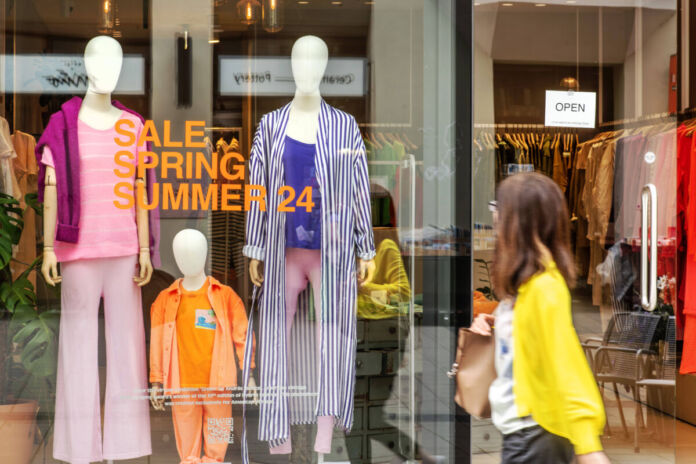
382,139
408,141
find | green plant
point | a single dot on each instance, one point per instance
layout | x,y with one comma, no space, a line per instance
29,339
487,289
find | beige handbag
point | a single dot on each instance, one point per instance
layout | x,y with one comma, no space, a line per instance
474,372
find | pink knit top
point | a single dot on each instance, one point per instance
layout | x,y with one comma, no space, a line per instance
105,230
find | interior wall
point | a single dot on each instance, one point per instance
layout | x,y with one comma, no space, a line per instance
169,19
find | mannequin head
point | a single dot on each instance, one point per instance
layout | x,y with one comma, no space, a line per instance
309,58
190,251
103,61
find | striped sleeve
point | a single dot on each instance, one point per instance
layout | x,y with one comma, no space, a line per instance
255,247
364,238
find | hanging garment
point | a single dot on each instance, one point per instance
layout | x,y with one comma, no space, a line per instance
684,141
8,183
25,170
346,232
61,136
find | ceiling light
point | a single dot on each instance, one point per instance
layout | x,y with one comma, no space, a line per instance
337,3
302,2
248,11
508,4
571,1
540,4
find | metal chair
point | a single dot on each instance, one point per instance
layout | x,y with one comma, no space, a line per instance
617,358
660,370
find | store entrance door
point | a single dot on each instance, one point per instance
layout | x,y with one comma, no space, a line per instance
583,94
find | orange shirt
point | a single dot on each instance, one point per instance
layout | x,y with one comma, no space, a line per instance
230,336
195,336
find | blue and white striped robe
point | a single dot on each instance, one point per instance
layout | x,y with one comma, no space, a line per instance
346,229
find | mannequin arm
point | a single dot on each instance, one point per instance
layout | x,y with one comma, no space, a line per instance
157,396
49,266
142,222
256,272
366,271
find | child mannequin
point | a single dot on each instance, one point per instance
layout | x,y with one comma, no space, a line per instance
197,326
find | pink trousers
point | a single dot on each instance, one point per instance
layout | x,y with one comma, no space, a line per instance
78,431
302,266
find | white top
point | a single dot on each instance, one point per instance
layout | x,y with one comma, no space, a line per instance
501,394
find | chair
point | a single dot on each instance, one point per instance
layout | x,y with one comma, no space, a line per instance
617,358
662,369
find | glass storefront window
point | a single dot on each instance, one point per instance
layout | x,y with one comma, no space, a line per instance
168,156
586,93
249,230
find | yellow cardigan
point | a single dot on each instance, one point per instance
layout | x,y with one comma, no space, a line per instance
553,381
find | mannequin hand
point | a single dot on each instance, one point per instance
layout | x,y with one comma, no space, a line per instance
366,271
157,396
256,272
145,269
254,392
593,458
49,268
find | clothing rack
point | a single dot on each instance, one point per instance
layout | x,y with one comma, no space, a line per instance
527,126
385,125
641,120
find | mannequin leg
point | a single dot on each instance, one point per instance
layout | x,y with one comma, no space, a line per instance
295,282
126,419
325,424
188,421
77,436
216,430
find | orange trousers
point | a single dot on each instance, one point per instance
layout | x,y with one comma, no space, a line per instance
201,413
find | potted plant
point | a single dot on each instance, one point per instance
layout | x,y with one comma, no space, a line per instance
28,344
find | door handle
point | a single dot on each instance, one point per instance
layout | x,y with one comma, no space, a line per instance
648,245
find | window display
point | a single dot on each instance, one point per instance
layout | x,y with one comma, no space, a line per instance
97,246
337,152
224,242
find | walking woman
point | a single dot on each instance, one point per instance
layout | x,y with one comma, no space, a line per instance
545,400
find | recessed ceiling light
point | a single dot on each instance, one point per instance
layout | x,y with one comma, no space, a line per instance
337,3
508,4
571,1
302,2
540,4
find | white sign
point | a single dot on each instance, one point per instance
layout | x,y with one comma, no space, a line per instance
344,77
570,109
64,74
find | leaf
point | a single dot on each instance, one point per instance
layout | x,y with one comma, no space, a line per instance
32,201
38,340
21,291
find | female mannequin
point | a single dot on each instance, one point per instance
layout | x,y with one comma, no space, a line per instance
100,248
339,173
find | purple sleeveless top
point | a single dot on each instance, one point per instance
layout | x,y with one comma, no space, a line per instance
302,227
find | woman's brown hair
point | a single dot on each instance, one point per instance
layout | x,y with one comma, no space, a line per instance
532,229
